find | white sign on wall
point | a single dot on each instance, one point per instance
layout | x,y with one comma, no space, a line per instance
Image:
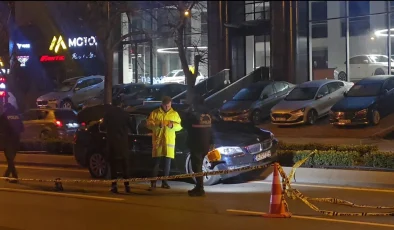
82,41
23,46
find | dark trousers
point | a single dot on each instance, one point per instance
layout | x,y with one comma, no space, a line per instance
10,153
156,168
197,158
119,162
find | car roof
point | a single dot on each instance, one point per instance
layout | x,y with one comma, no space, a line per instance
316,83
374,79
83,78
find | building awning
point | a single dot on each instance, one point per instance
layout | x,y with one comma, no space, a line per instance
255,27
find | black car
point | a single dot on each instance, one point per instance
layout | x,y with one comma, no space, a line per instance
154,93
366,102
240,145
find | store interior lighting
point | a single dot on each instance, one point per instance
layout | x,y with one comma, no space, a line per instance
174,50
384,33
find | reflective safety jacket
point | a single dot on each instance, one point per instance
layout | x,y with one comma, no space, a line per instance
163,139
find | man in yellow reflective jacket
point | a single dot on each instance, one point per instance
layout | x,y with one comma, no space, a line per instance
163,122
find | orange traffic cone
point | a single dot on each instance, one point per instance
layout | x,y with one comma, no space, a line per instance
277,208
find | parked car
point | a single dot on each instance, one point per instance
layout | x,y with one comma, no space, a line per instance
362,66
119,92
154,93
240,145
365,103
308,102
178,76
72,93
45,124
254,103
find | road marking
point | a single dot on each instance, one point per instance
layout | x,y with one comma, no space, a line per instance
333,187
316,218
69,195
46,168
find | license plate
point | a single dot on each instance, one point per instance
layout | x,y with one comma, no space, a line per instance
344,121
227,118
262,156
280,119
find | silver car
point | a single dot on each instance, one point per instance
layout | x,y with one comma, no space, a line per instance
72,93
308,102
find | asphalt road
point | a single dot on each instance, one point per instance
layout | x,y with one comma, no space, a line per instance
31,205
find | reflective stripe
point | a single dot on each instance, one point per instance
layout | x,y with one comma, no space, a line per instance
170,145
201,126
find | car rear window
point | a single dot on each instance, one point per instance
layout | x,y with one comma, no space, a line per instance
66,115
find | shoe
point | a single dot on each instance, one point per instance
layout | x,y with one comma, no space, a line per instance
196,191
13,180
165,185
152,186
114,188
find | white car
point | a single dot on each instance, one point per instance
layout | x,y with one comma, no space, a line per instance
178,76
362,66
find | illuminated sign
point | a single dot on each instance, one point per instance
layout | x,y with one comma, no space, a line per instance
2,93
82,41
83,56
23,46
47,58
2,86
22,60
57,43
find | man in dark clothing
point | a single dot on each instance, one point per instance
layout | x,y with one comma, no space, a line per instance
11,127
117,122
200,139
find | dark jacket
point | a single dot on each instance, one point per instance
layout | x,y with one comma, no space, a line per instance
198,123
117,122
11,125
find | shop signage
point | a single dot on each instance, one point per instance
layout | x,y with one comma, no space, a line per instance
47,58
83,56
23,46
57,43
22,60
82,41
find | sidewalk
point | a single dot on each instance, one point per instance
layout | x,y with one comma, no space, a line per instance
384,145
43,160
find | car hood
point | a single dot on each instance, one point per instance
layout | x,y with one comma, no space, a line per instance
54,96
353,103
289,106
236,106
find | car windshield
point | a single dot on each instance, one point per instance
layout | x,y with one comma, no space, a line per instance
365,90
380,58
302,94
66,115
66,86
172,73
151,92
248,94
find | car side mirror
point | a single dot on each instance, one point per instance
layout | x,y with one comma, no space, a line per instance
319,96
365,62
265,96
345,93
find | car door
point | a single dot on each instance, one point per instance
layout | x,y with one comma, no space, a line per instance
385,105
336,92
323,100
358,68
80,91
94,87
267,100
179,77
28,119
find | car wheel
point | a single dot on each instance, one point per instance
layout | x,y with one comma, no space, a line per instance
66,104
256,117
98,165
342,76
375,117
208,180
379,72
311,117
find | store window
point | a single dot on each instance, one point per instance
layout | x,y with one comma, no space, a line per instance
157,56
365,24
257,10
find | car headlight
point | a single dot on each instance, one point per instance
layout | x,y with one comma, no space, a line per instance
272,136
362,112
299,111
229,150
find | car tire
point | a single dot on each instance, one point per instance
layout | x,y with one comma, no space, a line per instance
379,72
256,117
342,76
98,166
66,104
375,117
311,117
208,180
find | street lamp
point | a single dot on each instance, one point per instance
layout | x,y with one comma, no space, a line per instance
186,13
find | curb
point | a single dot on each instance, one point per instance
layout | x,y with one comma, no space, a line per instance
339,177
